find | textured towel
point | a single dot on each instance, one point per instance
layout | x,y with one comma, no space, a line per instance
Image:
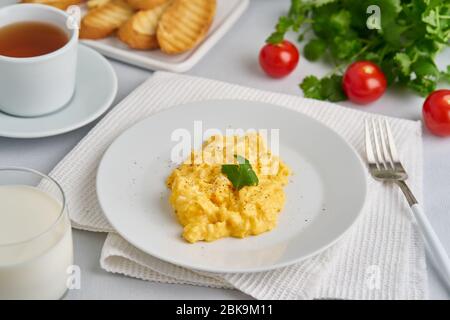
380,257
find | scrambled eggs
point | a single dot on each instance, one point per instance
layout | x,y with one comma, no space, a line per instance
208,206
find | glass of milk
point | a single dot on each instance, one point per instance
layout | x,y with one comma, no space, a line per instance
36,249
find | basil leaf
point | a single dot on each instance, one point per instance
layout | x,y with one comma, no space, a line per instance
240,174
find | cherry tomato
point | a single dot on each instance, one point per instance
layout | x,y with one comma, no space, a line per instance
436,112
278,60
363,82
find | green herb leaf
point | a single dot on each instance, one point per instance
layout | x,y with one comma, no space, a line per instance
426,76
403,61
319,3
328,88
425,67
283,25
436,19
445,75
311,87
371,56
332,89
422,86
240,174
343,48
314,49
275,38
321,20
391,71
340,21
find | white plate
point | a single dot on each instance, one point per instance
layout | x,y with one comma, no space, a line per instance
324,197
228,12
96,88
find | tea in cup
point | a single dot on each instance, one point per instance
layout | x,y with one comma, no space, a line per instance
38,56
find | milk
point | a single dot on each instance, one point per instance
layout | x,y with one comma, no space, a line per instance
35,244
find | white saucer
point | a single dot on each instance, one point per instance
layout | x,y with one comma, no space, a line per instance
95,91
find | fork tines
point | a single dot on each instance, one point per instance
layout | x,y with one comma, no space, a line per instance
380,145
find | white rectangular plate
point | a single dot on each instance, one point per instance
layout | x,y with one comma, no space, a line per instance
228,11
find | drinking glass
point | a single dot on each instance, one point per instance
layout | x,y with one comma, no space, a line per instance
36,249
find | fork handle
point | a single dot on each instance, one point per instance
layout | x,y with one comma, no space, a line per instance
434,245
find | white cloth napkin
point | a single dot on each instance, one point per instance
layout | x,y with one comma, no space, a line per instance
381,257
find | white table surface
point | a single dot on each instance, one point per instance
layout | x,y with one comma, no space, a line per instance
233,59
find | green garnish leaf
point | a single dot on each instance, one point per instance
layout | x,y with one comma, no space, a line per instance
328,88
332,89
283,25
340,21
311,87
275,38
426,76
344,47
240,174
403,61
425,67
315,49
445,75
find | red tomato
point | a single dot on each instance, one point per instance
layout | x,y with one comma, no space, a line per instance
436,112
278,60
363,82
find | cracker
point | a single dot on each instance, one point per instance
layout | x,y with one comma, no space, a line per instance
102,21
139,32
146,4
184,24
91,4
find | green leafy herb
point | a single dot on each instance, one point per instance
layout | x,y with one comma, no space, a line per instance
328,88
410,34
240,174
445,75
403,62
315,49
312,87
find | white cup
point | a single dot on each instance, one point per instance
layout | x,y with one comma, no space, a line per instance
36,86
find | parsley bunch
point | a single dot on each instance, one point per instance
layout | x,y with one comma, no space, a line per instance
411,33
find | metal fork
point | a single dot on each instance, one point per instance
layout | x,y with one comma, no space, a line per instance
384,165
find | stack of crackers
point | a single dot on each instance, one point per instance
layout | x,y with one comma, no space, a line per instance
174,26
